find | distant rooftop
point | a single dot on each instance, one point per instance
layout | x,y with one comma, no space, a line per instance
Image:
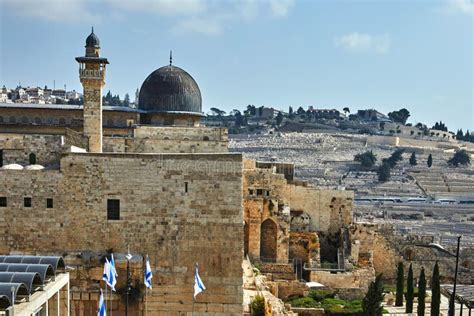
65,107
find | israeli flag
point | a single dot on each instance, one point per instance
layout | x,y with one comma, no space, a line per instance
198,285
102,309
148,274
109,275
112,266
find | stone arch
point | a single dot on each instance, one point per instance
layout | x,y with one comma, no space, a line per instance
24,120
12,119
62,121
1,119
268,240
206,138
32,159
38,120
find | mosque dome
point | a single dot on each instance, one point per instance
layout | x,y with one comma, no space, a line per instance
170,89
92,40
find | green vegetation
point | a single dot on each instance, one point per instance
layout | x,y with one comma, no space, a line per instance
435,291
421,293
461,157
400,116
257,306
383,172
400,285
326,299
366,160
413,159
410,292
372,303
429,162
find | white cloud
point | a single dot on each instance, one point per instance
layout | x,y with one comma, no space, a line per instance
280,8
460,6
54,10
205,26
364,43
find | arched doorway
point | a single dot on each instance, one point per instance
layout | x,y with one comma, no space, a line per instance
268,240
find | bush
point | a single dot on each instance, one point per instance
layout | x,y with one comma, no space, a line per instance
367,159
257,306
319,295
461,157
304,302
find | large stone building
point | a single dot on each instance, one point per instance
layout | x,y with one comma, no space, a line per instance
82,182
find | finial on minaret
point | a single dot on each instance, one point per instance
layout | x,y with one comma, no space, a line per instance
171,57
92,29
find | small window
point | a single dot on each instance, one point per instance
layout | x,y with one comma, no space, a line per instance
27,202
1,157
113,209
3,201
185,187
32,159
49,203
250,192
267,193
205,138
259,192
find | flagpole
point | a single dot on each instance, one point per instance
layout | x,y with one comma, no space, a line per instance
110,302
146,292
105,298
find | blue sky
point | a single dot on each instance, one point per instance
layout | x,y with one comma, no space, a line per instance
328,54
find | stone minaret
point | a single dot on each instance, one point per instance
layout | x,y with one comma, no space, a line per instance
92,75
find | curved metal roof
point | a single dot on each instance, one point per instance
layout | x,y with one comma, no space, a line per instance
55,262
170,89
32,280
45,271
20,290
4,302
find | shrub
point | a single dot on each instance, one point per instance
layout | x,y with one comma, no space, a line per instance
367,159
319,295
461,157
304,302
257,306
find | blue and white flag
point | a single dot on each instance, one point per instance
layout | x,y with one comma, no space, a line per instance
112,265
198,285
102,310
148,274
109,275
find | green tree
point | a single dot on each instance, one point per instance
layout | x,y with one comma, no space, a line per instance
346,110
372,302
410,292
413,159
217,111
400,116
300,111
279,118
435,291
383,172
400,285
367,159
429,162
394,158
461,157
126,100
239,121
421,293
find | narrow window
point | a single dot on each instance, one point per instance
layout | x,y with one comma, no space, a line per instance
113,209
185,187
259,192
32,159
250,192
27,202
3,201
1,157
49,203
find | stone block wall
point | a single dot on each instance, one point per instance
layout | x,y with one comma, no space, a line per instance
16,148
178,209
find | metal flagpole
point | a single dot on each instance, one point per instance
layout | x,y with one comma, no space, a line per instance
111,300
105,298
146,293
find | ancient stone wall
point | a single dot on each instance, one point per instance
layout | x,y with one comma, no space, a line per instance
17,148
178,209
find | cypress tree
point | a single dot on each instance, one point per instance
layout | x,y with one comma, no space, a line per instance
409,295
413,159
400,285
429,162
372,303
435,291
421,293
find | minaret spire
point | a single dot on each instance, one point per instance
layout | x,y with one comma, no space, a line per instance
171,57
92,29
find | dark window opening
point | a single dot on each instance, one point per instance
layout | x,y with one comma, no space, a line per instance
49,203
267,193
3,201
27,202
259,192
113,209
1,157
32,159
206,138
185,187
250,192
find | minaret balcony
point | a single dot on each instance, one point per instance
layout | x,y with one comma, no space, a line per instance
91,74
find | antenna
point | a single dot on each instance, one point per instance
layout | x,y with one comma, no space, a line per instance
171,57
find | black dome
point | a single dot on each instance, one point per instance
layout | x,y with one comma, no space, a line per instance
92,40
170,89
